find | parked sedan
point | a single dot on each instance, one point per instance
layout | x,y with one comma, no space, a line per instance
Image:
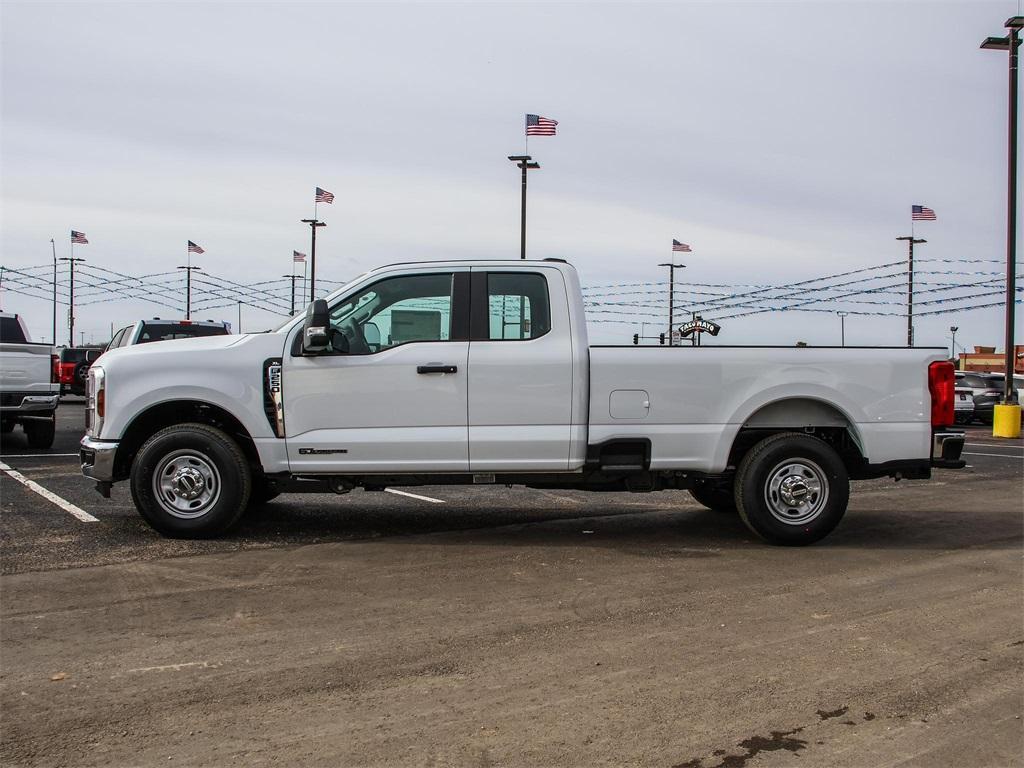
986,400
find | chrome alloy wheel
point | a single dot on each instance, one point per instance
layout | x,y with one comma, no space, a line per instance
796,491
186,484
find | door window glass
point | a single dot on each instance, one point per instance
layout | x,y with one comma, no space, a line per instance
517,306
396,310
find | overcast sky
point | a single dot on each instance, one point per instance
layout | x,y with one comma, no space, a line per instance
784,141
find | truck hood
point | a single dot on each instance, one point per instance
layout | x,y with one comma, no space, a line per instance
200,345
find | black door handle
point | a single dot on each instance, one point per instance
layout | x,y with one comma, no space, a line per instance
436,369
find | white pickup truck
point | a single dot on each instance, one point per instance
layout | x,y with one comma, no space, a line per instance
481,372
29,383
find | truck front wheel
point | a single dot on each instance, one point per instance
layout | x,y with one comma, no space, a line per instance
191,481
792,489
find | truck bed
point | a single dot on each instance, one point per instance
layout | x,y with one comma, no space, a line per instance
691,401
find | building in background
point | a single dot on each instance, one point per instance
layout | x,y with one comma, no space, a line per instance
987,360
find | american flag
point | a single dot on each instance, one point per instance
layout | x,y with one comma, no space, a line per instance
921,213
323,196
193,248
540,126
681,247
78,237
296,256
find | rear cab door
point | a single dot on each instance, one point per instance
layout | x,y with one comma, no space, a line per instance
521,372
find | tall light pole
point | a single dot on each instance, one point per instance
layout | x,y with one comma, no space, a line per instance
188,290
952,347
523,162
313,224
1010,43
672,267
292,277
911,242
71,297
53,247
842,327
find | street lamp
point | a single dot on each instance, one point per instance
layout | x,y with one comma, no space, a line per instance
952,347
1010,44
672,267
523,161
842,327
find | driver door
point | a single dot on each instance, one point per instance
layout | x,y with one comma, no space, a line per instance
397,400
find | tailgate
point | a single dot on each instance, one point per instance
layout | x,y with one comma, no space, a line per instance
26,368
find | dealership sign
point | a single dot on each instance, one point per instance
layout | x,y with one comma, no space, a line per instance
700,325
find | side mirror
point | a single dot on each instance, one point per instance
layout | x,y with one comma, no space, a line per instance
316,328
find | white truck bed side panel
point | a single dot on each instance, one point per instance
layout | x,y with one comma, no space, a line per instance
700,397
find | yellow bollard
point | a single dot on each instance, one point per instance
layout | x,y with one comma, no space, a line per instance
1006,421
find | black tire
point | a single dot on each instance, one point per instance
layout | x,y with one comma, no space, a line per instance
718,497
191,458
789,467
80,375
40,432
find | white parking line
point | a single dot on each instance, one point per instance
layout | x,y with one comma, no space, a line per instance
50,496
997,455
414,496
996,445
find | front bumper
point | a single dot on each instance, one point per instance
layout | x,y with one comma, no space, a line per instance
16,402
947,445
97,459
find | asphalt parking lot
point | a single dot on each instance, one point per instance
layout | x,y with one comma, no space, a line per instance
507,627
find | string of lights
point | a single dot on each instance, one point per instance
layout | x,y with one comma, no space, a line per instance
862,291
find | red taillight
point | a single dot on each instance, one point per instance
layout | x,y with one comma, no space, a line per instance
941,385
54,369
101,403
67,373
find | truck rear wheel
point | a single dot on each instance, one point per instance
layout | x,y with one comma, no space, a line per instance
191,481
718,497
40,432
792,489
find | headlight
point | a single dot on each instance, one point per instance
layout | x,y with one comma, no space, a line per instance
95,401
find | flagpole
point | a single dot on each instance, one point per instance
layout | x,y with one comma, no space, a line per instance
53,247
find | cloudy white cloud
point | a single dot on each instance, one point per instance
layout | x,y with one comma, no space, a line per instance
783,141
